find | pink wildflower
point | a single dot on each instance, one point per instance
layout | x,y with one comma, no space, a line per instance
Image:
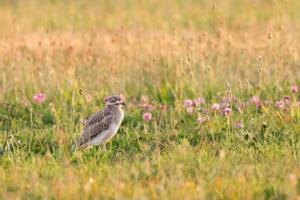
147,116
188,103
215,106
39,98
286,98
294,88
256,100
279,104
148,107
227,111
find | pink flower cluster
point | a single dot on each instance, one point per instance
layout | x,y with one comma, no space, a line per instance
191,104
39,97
284,103
226,111
256,101
294,89
216,107
229,104
148,107
147,116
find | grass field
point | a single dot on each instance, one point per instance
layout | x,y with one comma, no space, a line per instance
220,79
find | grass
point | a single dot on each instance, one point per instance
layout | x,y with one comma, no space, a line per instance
77,53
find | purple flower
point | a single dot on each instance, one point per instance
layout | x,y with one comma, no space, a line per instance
279,104
148,107
147,116
188,103
294,88
215,107
190,110
286,98
256,100
239,125
199,101
39,98
226,111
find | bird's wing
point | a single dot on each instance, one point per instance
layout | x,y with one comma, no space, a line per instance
95,125
96,117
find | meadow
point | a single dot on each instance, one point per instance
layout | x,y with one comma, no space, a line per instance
213,105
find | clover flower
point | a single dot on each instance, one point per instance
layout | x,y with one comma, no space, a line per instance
39,98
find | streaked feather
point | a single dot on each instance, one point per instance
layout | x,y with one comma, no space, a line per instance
95,124
103,125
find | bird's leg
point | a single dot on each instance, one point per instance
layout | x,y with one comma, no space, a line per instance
104,147
84,146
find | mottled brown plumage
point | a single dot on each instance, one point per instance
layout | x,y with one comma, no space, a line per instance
103,125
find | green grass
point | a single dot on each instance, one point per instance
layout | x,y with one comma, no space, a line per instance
169,51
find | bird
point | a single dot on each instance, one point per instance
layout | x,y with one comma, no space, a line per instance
101,126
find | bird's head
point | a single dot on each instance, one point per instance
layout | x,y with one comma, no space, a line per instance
114,101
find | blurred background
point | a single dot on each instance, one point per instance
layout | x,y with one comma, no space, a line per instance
133,46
